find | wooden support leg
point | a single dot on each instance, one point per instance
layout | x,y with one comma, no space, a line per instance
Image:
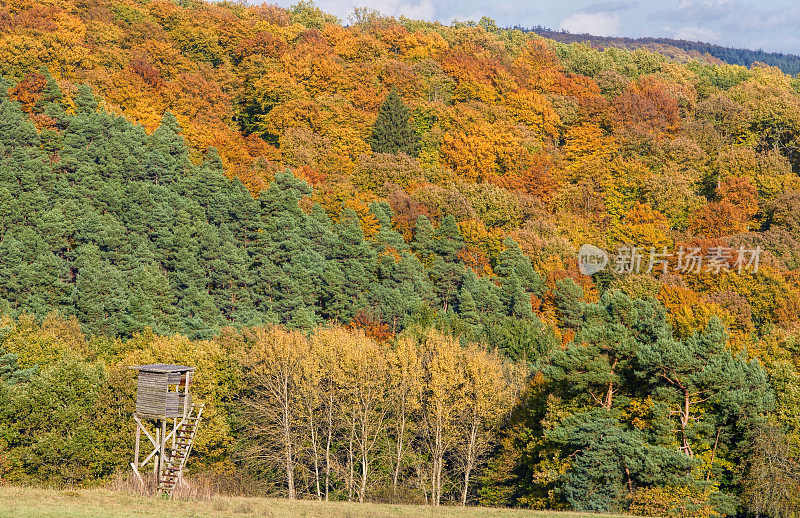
163,463
155,457
136,447
135,463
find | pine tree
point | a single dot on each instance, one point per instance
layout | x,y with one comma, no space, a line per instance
467,308
387,237
392,132
84,100
513,260
168,159
448,239
51,102
612,332
423,243
519,340
16,130
356,259
516,301
10,370
705,384
446,270
610,459
568,297
4,88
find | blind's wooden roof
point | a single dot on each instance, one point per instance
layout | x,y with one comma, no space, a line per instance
162,367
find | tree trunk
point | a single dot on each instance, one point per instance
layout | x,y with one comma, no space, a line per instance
436,493
364,470
630,483
350,462
400,440
328,447
609,395
287,438
364,455
315,448
685,423
469,461
610,392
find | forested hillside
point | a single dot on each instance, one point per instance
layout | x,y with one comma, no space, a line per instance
682,50
391,213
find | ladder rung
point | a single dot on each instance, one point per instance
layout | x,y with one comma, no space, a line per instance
183,439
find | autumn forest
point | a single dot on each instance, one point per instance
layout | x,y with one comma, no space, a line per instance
365,235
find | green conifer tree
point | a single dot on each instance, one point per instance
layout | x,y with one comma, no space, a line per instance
10,370
512,260
423,243
392,132
4,87
84,100
168,159
568,297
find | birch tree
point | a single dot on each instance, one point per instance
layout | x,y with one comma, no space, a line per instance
488,396
273,365
405,379
442,401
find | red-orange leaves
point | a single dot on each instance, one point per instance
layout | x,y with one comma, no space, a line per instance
645,110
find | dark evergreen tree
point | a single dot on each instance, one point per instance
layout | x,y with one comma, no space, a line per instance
118,228
486,295
51,92
611,459
516,301
707,387
10,370
392,132
568,297
447,271
599,361
518,339
513,261
387,238
423,243
168,159
84,100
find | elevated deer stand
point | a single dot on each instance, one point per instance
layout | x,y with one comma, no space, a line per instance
162,395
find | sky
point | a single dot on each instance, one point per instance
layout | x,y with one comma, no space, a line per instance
771,25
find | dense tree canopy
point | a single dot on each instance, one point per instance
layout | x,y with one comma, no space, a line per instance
393,208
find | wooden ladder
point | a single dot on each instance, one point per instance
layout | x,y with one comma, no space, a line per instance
172,474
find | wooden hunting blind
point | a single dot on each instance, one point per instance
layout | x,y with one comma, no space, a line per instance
154,397
162,395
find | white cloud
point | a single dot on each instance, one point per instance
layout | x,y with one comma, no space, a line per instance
424,10
695,34
613,5
418,10
699,11
598,24
474,16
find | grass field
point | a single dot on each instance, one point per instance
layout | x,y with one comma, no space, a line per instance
21,502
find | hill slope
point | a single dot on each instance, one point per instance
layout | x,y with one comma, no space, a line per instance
230,176
679,49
